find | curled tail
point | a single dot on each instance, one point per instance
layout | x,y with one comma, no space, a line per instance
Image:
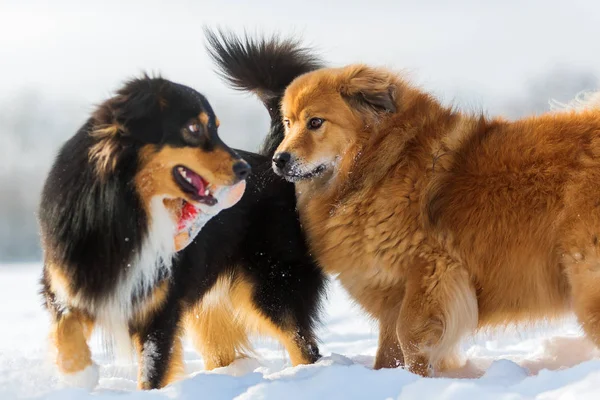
583,101
264,66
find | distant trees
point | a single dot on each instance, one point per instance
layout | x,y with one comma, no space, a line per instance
561,84
33,127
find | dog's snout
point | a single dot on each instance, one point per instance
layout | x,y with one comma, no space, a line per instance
241,169
281,160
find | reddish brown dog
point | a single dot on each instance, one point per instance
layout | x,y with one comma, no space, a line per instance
439,222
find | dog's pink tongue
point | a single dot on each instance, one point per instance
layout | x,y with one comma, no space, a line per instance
198,183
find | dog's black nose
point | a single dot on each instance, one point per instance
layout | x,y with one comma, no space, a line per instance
241,169
281,159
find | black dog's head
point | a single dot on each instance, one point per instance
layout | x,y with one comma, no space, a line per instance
172,130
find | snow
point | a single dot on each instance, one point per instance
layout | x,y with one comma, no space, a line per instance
88,378
546,361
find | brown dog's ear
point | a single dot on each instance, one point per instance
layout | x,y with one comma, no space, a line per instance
369,89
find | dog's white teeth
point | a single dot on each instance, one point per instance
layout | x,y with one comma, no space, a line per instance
207,192
188,179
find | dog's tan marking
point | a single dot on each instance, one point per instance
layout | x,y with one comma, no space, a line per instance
221,321
163,103
151,304
69,335
218,332
204,119
59,282
104,153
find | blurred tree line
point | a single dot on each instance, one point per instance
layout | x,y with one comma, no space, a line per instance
32,128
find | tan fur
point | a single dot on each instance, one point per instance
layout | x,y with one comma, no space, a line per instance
217,332
70,334
152,303
73,330
60,283
439,222
155,175
203,118
221,322
103,153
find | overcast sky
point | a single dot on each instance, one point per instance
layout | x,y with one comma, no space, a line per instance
460,48
502,56
58,58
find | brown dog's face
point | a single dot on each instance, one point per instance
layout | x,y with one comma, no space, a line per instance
324,113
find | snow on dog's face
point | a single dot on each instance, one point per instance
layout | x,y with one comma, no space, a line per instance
180,157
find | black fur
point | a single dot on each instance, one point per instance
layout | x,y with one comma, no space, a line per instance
92,227
264,66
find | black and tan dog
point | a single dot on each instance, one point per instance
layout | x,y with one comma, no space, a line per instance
119,212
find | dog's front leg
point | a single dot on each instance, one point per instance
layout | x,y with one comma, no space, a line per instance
70,332
159,347
389,350
439,308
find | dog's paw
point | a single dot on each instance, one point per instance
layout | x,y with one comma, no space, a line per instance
87,378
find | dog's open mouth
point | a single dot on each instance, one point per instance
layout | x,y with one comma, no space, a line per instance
193,185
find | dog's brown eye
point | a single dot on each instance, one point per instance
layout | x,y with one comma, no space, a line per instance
194,128
315,123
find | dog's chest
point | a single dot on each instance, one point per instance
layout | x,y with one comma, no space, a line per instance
366,237
150,265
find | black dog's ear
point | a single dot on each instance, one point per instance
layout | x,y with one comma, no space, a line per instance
370,90
135,112
137,109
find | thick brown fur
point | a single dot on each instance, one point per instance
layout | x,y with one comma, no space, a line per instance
439,222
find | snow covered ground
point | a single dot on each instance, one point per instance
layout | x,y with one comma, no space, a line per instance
541,362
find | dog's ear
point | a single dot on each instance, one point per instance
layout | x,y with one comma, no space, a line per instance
135,112
138,107
370,90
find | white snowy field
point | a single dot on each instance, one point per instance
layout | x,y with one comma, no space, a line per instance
542,362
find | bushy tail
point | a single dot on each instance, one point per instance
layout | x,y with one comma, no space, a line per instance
264,66
583,101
